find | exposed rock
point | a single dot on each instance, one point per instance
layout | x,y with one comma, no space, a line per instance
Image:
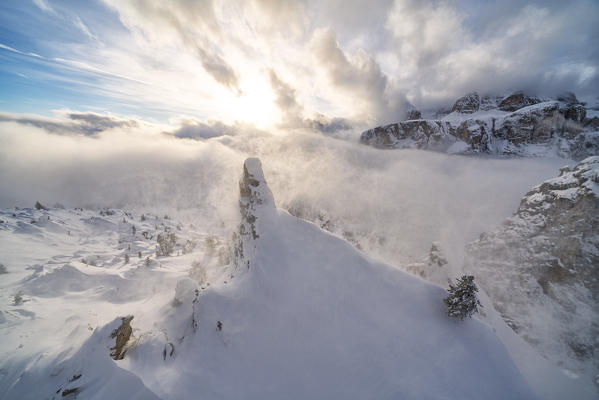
69,392
592,123
254,195
435,267
551,128
436,256
413,114
568,97
541,268
467,104
122,335
489,102
576,112
517,101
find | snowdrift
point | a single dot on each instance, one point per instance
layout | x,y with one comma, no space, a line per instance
300,314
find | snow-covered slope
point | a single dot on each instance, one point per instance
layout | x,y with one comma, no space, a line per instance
296,313
515,125
541,268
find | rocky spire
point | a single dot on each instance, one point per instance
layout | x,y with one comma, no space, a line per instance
255,198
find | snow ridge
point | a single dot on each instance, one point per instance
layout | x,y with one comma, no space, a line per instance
312,317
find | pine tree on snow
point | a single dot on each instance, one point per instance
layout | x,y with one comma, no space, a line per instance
462,300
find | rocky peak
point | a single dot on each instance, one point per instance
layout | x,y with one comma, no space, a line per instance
253,190
516,101
413,114
531,127
568,97
467,104
255,198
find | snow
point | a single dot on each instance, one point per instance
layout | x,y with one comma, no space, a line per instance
458,147
311,318
568,194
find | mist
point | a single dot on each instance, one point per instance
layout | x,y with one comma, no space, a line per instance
391,204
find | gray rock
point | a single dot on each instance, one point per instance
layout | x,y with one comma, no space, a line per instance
254,196
516,101
467,104
122,335
541,267
549,128
592,123
413,114
568,97
575,112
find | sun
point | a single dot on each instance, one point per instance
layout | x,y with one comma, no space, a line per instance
256,103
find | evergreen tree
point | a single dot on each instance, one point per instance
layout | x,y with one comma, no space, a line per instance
462,300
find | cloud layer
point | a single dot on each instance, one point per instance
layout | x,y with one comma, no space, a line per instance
292,63
392,203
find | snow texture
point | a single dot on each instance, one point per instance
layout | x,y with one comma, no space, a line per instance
301,315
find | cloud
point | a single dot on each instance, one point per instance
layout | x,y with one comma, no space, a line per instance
193,129
5,47
83,28
399,204
447,49
359,76
323,124
76,123
285,99
193,23
43,5
219,69
349,59
293,112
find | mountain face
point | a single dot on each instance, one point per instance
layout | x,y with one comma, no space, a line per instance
294,313
541,267
518,125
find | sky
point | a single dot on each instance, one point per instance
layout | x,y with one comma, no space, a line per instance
326,65
155,105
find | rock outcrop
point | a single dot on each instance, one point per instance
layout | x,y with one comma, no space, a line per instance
541,268
467,104
435,267
122,335
413,114
516,125
517,101
254,196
